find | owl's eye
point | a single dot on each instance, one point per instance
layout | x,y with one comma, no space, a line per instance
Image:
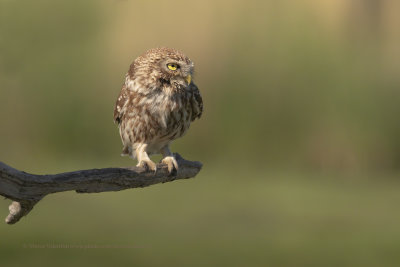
172,66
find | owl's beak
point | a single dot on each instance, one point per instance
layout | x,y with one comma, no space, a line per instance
189,79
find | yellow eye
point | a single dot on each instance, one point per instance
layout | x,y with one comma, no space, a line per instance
172,66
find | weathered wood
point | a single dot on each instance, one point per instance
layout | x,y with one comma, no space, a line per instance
27,189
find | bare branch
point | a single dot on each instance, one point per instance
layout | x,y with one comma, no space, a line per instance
27,189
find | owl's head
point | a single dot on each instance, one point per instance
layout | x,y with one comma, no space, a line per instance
162,68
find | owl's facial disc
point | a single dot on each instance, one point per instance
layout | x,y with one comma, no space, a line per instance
179,72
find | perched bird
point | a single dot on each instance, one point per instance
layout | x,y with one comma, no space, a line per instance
156,105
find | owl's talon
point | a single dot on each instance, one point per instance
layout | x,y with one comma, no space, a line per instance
171,163
148,165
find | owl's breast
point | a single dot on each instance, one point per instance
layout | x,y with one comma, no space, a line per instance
174,115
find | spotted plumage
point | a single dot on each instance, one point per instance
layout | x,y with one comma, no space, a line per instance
156,105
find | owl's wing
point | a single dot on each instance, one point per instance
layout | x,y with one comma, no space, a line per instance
120,105
196,102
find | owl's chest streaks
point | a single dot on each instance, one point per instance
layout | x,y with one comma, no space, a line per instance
179,117
156,116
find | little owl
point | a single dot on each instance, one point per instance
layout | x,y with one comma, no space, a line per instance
156,105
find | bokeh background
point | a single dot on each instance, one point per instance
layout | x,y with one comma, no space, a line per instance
299,138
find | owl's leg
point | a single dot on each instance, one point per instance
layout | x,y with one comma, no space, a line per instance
143,158
169,159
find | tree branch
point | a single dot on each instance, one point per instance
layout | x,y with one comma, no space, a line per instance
27,189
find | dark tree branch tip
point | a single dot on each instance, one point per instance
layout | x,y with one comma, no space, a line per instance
27,189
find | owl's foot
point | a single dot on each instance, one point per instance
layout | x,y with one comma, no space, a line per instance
147,164
172,164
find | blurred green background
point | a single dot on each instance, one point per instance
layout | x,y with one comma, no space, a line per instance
299,138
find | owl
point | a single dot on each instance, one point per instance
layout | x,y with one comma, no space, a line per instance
156,105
